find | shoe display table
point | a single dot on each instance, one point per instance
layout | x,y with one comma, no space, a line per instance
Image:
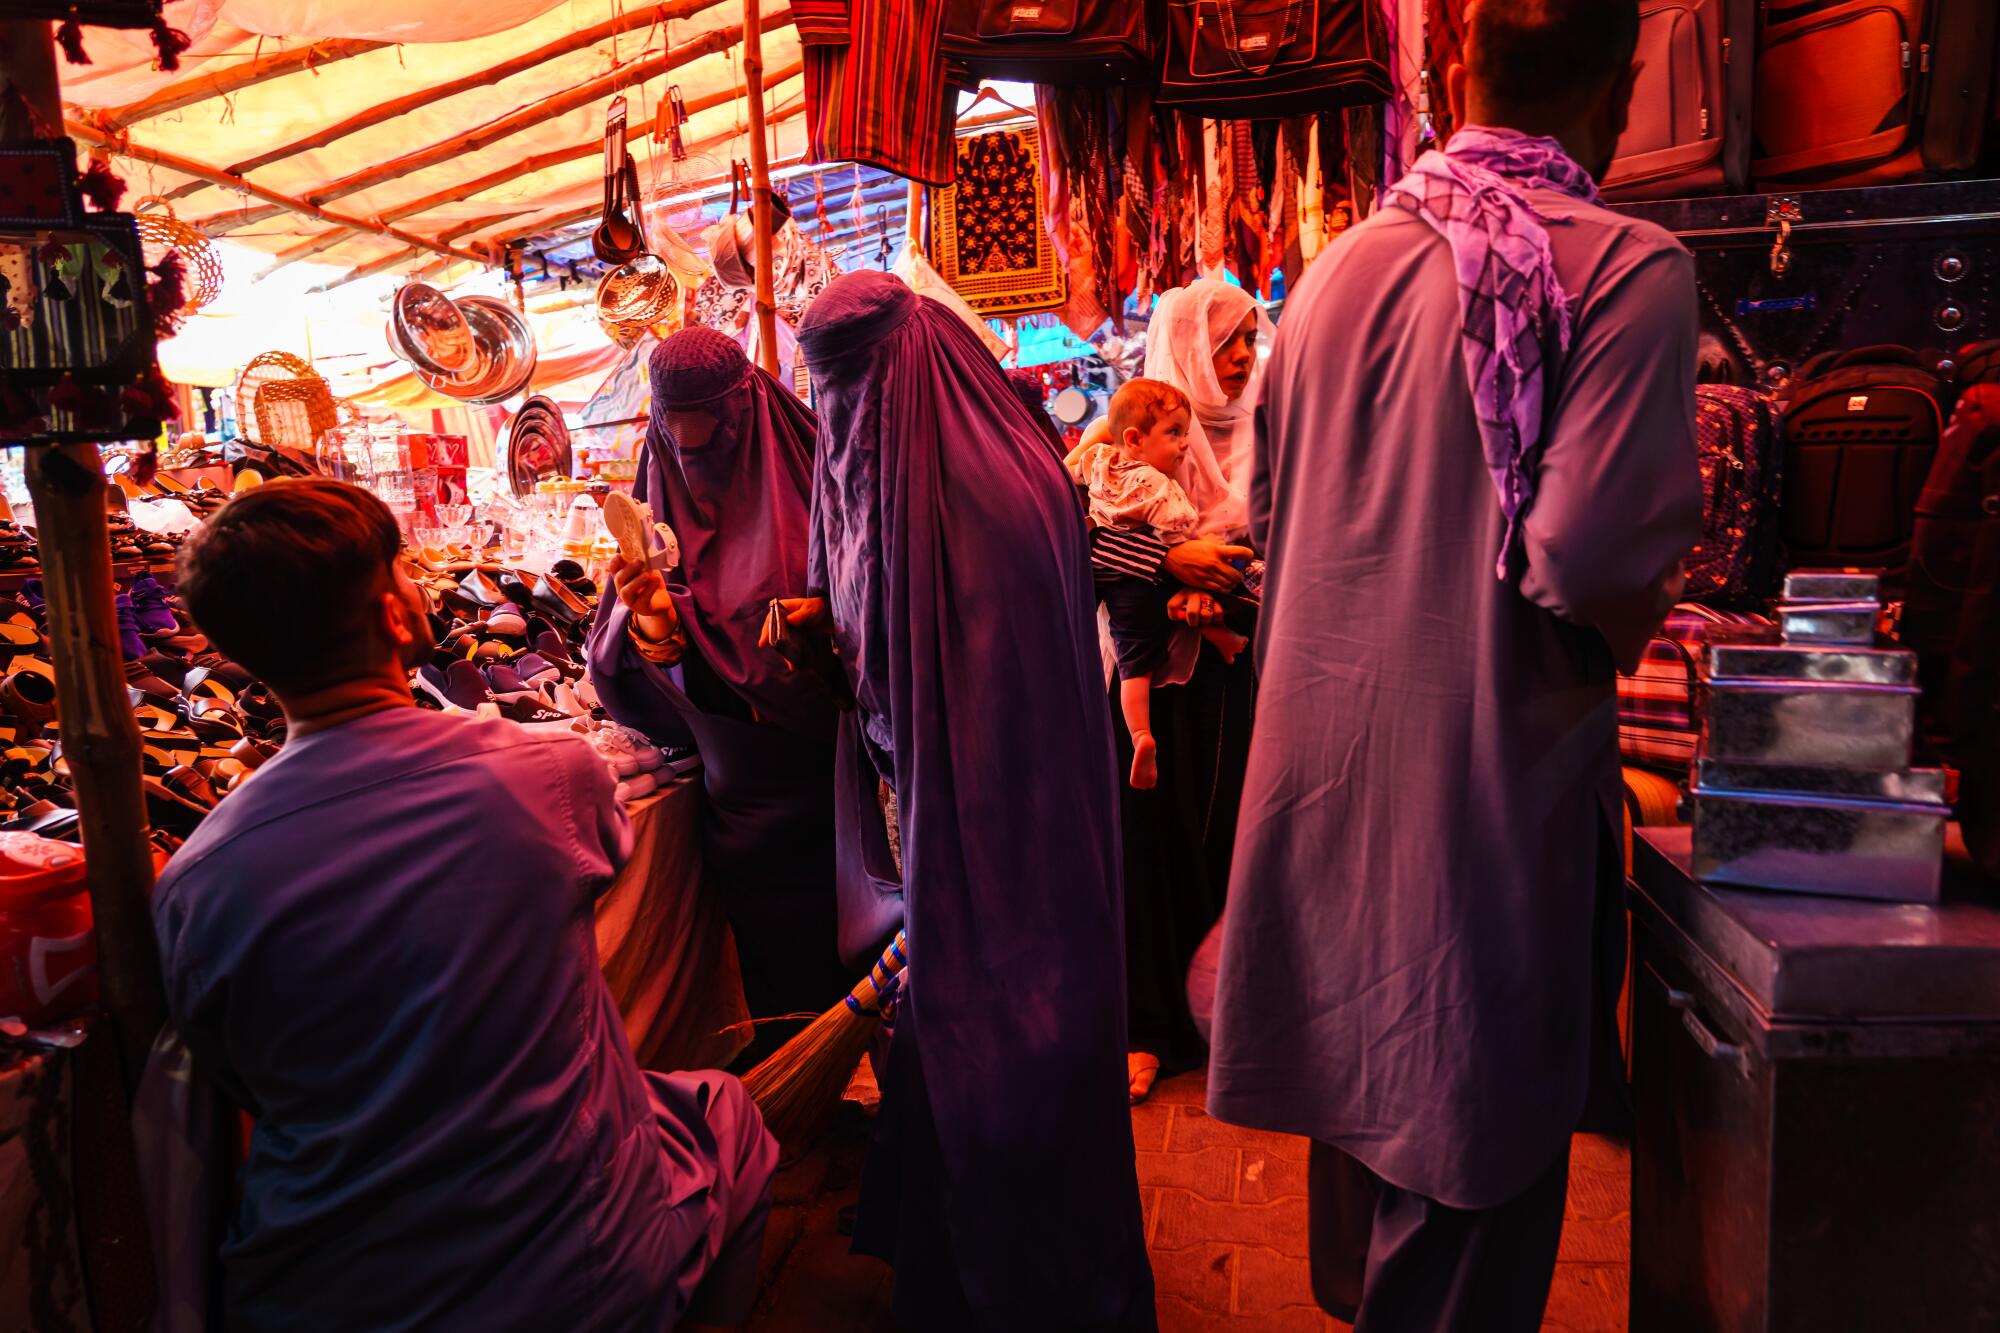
665,945
1816,1085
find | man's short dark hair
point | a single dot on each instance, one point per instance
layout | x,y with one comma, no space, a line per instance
284,578
1527,55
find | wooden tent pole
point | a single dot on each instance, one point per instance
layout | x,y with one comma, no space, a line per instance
644,17
584,94
760,186
914,219
221,82
634,131
189,167
100,738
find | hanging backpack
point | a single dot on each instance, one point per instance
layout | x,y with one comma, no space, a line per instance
1951,612
1861,429
1739,560
1266,59
1977,363
1098,42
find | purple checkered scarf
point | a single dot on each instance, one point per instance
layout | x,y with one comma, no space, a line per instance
1515,315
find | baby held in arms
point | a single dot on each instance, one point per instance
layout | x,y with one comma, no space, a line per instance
1132,487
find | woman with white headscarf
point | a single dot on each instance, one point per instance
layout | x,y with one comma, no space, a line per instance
1178,835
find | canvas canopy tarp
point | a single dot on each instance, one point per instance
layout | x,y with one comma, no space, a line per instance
457,127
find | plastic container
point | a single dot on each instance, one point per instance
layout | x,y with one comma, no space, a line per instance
48,951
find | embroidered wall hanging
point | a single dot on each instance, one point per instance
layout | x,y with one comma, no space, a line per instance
987,238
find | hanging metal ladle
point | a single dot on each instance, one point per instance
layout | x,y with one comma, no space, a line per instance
618,238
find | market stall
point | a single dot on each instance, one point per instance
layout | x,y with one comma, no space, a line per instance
431,250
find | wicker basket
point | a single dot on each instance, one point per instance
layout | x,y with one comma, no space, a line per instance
290,405
163,233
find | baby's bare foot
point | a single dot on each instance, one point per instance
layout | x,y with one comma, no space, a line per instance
1145,766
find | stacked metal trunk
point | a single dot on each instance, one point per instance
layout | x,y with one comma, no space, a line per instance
1804,782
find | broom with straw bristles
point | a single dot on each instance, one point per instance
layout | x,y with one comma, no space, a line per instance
798,1086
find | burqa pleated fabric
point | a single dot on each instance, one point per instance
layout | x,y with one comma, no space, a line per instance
727,464
950,543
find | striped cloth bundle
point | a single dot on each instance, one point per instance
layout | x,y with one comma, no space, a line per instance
1657,725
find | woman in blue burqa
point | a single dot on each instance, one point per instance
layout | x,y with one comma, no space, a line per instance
949,564
727,464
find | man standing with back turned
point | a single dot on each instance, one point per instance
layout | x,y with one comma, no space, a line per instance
1475,481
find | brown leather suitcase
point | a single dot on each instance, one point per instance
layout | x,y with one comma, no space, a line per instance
1861,92
1689,131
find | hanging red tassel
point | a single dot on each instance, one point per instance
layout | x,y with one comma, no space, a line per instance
68,395
100,186
145,463
69,36
167,293
170,42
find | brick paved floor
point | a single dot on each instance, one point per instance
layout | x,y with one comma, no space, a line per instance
1225,1223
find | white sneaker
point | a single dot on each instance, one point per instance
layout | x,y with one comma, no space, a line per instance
617,751
642,748
631,789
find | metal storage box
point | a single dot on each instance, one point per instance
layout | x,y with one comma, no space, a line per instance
1733,659
1828,622
1816,1085
1833,585
1846,846
1811,722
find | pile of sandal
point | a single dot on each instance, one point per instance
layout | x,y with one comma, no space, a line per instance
130,542
510,644
203,721
18,551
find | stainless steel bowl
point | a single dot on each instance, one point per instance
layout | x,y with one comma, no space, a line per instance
431,330
507,336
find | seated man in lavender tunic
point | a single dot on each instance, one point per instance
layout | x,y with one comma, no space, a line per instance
381,948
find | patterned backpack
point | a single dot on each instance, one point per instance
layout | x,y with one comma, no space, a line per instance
1739,560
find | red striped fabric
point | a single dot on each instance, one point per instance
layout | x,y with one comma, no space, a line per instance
881,94
1656,715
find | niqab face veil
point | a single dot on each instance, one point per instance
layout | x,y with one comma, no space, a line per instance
728,466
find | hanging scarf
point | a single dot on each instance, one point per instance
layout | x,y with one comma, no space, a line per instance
1514,313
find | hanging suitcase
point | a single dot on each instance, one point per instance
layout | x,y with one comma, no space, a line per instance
1860,92
1055,41
1783,278
1861,429
1689,131
1266,59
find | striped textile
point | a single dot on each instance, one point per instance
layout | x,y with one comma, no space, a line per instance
1656,713
877,90
1117,553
